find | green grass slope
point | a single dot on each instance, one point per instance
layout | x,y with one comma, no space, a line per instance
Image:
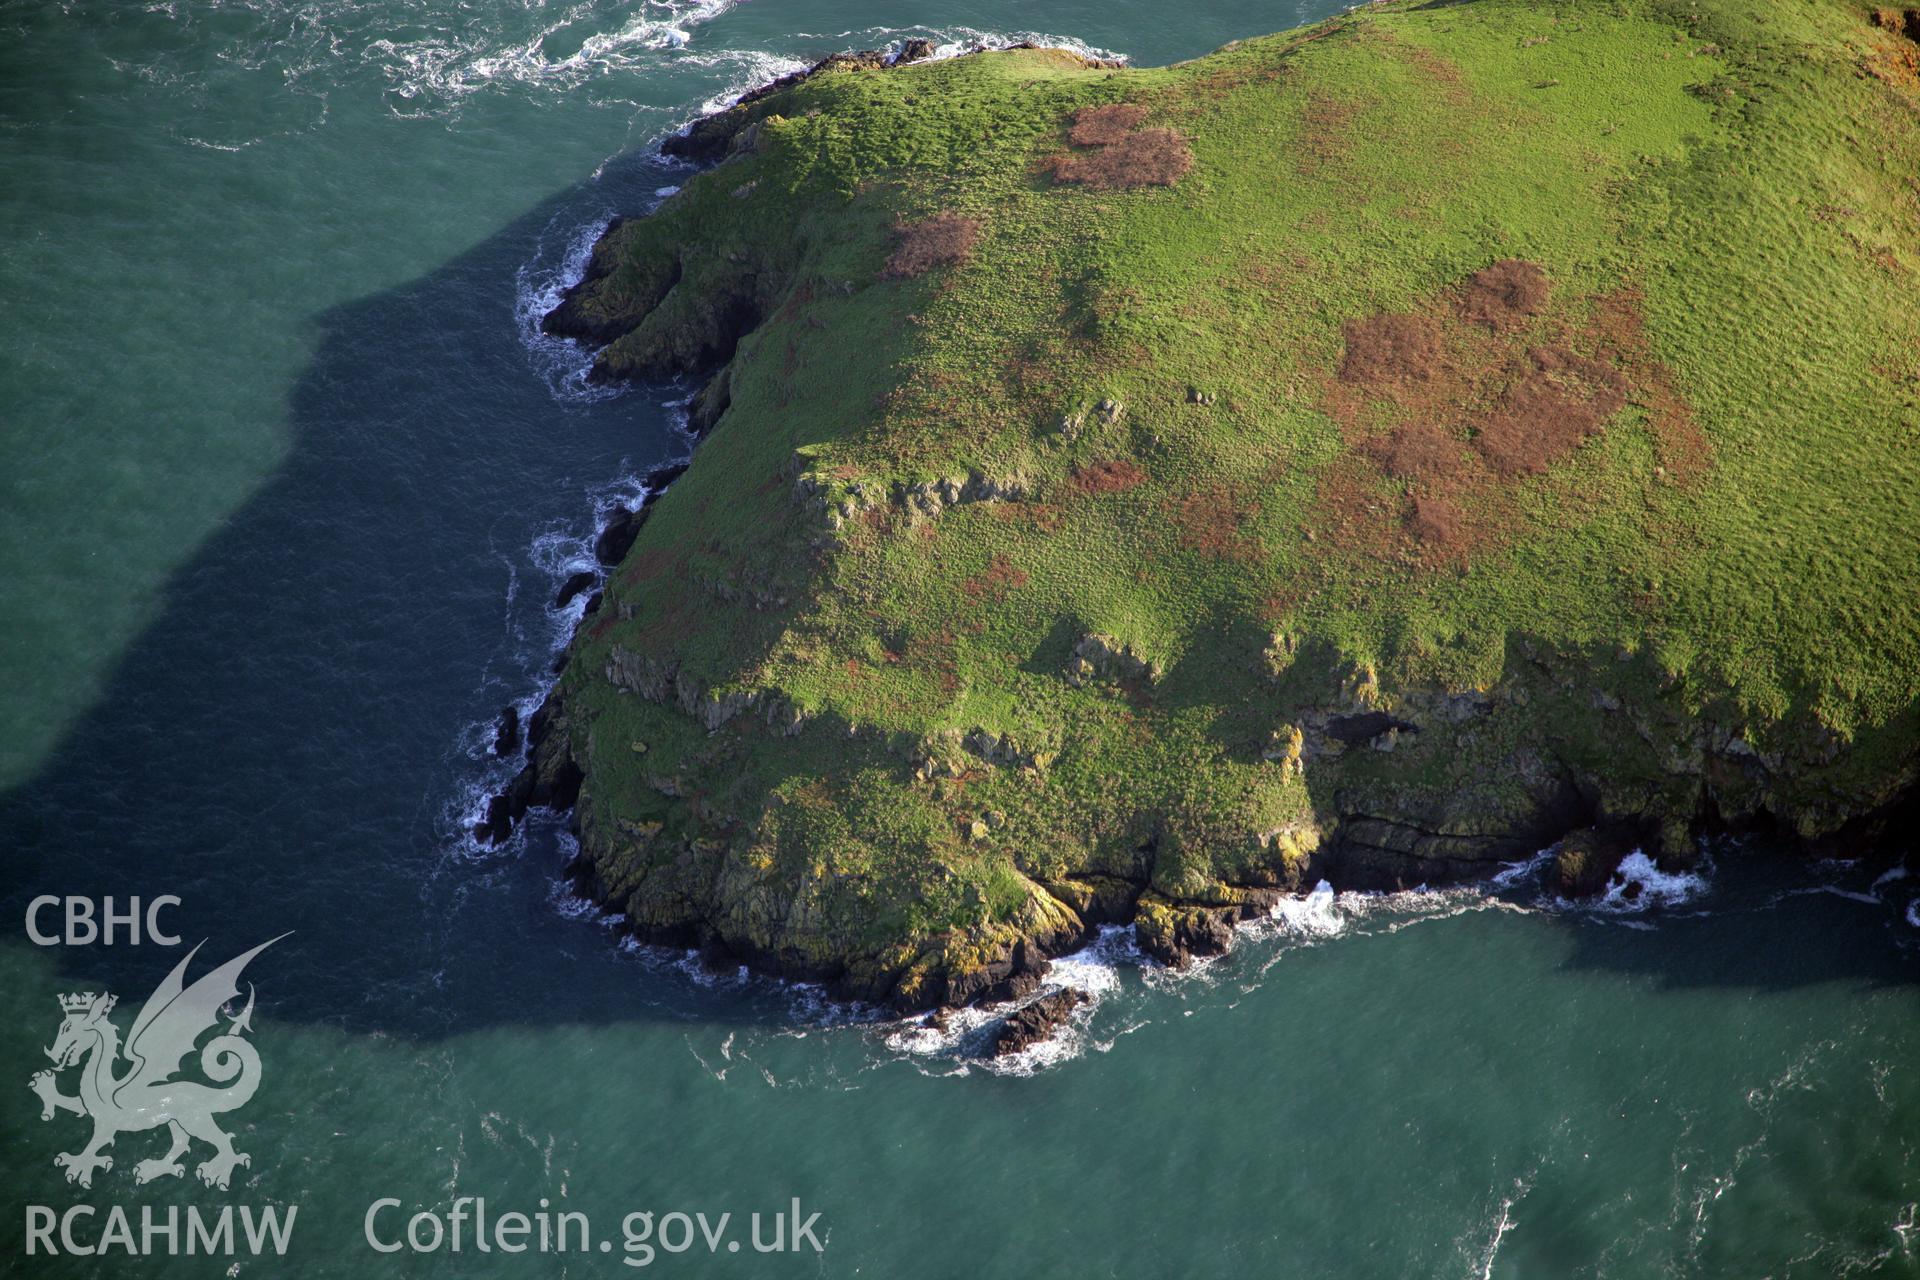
1373,451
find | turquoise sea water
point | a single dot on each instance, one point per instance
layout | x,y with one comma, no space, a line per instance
288,483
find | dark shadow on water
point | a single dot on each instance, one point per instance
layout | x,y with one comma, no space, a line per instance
1768,921
288,745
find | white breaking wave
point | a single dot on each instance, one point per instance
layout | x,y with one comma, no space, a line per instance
1295,921
754,68
461,59
1514,874
956,41
959,1045
1851,895
555,555
1095,968
687,964
571,906
537,289
952,42
1639,885
1315,916
426,58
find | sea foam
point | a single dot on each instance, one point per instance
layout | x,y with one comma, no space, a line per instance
1655,888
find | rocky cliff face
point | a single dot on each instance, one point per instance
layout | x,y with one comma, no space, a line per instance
1135,496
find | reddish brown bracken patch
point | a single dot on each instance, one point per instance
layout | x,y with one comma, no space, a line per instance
1383,349
668,617
1442,72
1682,448
1900,65
798,301
1506,294
1486,385
999,578
935,654
943,240
1558,402
648,564
1148,158
1115,153
1115,475
1417,451
1437,522
1211,521
1905,22
1039,516
1104,126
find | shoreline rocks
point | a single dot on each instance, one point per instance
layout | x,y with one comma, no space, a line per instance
616,539
506,735
1034,1022
1587,859
573,586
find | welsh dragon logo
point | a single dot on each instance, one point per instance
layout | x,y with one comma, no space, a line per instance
145,1095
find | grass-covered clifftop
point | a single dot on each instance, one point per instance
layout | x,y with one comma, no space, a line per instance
1365,452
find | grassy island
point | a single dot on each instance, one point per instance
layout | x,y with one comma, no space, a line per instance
1370,452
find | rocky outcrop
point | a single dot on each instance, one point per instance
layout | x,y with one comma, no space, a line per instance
1584,862
928,498
616,539
838,502
1367,726
1036,1021
663,681
1013,971
1098,657
951,753
624,524
1176,934
550,780
707,406
506,733
650,320
573,586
